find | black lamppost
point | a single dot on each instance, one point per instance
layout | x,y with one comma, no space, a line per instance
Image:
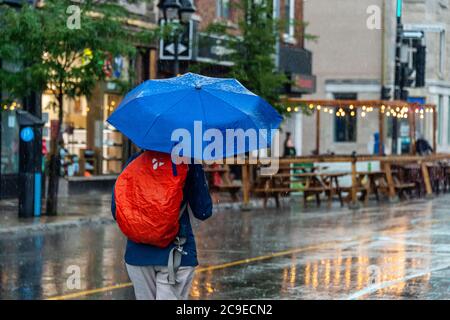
179,11
398,85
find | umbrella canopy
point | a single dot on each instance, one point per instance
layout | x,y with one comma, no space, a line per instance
162,114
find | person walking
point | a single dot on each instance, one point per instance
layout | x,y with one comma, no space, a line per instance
165,272
423,147
289,149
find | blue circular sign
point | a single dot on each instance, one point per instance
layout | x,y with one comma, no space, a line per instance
27,134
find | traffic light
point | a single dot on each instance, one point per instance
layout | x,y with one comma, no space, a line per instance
413,59
386,93
408,76
420,64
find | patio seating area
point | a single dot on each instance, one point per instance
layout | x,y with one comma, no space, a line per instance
353,180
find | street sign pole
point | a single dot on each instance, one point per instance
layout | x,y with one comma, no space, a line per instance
175,53
398,88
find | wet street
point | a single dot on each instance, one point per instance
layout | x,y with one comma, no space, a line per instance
390,252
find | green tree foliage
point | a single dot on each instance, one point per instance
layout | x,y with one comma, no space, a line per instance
253,50
61,48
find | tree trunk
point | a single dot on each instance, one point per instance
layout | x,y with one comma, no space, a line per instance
55,163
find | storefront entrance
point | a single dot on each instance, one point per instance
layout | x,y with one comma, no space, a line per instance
91,146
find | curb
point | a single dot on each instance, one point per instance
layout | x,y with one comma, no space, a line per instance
39,227
32,229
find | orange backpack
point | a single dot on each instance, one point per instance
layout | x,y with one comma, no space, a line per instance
148,195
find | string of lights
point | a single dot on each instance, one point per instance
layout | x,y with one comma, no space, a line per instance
342,109
11,106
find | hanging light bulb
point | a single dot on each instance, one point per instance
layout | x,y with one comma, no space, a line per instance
319,107
289,109
331,111
296,109
311,106
363,114
352,113
351,107
325,109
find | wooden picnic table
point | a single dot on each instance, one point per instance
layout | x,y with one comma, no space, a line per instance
225,185
311,174
312,183
372,184
219,170
389,177
364,183
300,167
426,177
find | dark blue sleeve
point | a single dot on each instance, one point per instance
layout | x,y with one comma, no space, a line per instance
197,193
113,201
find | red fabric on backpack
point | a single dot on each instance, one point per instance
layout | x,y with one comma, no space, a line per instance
148,198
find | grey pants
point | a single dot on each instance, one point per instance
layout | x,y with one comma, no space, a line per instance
150,283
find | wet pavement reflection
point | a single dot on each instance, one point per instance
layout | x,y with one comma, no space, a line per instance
388,252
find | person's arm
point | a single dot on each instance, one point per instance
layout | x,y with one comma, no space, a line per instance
197,193
113,201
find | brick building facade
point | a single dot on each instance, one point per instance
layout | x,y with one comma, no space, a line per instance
291,56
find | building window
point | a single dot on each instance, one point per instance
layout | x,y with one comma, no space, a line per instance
448,121
223,9
442,52
9,143
289,18
440,118
345,126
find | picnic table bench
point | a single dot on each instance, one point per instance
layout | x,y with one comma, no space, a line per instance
317,183
432,176
310,183
223,184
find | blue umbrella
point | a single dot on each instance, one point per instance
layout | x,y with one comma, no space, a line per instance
162,114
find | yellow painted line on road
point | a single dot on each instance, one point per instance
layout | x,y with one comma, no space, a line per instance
262,258
199,270
89,292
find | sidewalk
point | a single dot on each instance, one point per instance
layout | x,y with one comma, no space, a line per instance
74,211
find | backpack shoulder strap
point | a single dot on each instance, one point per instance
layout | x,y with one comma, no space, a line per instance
177,252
